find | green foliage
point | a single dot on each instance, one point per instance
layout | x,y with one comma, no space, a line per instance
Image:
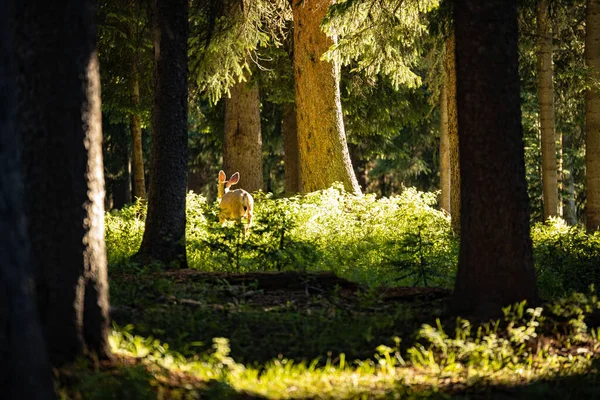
379,37
398,240
224,47
123,40
478,359
401,240
500,350
566,258
124,232
391,131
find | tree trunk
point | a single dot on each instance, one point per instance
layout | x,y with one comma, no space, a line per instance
361,166
60,121
139,181
444,151
495,262
242,145
289,129
122,186
164,235
26,373
592,115
453,140
324,157
569,207
545,88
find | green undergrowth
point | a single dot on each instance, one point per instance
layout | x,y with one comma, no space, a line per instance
529,353
401,240
567,258
179,334
397,240
311,322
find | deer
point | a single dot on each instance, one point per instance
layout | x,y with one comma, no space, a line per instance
234,204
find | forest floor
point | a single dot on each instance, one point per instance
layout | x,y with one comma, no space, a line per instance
316,319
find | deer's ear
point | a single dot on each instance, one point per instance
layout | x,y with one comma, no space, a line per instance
235,178
222,176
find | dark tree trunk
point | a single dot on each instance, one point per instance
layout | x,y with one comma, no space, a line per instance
242,145
26,372
291,161
59,119
164,236
495,263
122,186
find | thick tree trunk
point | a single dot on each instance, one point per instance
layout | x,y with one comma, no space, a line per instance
139,181
60,122
444,151
324,157
164,235
495,263
545,86
242,144
25,371
289,129
592,115
453,147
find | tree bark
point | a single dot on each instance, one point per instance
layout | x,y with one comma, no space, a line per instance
592,115
453,139
324,157
59,118
495,262
25,371
139,181
242,144
545,86
164,235
289,129
444,151
569,207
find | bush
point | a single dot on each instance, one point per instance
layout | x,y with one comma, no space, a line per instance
398,240
567,259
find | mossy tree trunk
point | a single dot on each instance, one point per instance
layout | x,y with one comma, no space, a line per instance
453,139
242,144
592,115
59,119
164,234
323,149
495,261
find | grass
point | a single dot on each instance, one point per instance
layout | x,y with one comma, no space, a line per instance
337,297
530,353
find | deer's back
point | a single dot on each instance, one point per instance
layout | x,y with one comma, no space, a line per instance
233,204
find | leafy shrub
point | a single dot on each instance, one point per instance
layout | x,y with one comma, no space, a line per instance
567,259
124,232
398,240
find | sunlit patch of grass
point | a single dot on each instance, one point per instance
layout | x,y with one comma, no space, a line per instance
516,350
